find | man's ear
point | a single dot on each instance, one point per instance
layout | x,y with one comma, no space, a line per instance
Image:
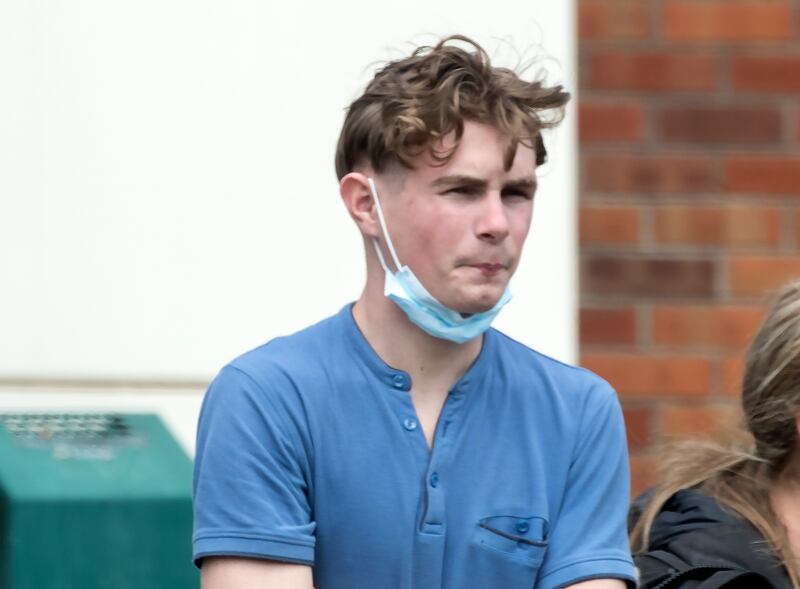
356,196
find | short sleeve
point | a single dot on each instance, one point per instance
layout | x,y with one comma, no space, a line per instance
589,537
251,473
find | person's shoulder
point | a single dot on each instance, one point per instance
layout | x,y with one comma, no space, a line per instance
700,507
693,531
292,362
279,372
532,365
689,510
290,352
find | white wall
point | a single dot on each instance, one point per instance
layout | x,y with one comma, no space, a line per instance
167,194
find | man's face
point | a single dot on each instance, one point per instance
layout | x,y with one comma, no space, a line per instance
460,227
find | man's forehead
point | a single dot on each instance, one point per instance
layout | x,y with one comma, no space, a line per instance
481,163
510,178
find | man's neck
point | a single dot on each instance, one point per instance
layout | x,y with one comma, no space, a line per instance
432,363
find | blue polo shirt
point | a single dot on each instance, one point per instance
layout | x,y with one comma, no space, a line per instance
309,451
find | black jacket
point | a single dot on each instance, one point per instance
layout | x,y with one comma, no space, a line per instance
696,544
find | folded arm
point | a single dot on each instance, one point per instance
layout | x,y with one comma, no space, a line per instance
228,572
598,584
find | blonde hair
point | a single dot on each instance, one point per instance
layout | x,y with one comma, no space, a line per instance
740,473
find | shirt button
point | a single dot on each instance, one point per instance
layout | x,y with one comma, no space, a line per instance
410,424
522,526
398,381
434,480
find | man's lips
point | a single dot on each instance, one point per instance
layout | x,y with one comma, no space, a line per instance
489,268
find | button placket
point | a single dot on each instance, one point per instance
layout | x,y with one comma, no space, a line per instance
435,481
397,385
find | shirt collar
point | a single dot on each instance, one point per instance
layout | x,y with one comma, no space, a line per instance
400,379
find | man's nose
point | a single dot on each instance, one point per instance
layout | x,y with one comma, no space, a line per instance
493,223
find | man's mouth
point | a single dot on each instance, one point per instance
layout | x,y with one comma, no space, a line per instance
489,269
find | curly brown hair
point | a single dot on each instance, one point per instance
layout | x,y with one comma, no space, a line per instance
413,102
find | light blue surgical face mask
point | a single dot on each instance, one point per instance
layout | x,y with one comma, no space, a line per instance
421,308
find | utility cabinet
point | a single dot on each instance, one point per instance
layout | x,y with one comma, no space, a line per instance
93,501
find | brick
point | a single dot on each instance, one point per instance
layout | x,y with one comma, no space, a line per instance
736,126
607,326
637,277
610,122
777,73
768,175
726,327
732,372
797,229
649,174
721,226
652,71
638,426
753,276
797,126
608,225
633,374
612,19
727,20
696,421
644,473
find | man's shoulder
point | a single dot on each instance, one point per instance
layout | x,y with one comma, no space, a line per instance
532,365
291,353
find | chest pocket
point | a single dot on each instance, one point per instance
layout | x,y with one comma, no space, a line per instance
519,538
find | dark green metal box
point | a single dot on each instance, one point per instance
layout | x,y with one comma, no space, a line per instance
93,501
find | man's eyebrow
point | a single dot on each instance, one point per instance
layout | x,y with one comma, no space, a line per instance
458,179
527,183
522,184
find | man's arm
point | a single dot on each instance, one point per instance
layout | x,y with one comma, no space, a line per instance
588,545
251,473
598,584
227,572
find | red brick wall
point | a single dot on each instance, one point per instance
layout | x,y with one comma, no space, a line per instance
690,200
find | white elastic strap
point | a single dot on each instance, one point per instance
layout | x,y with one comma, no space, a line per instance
377,202
380,256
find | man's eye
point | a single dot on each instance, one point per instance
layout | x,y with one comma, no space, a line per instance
518,194
461,190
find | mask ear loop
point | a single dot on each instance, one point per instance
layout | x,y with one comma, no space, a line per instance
380,256
374,193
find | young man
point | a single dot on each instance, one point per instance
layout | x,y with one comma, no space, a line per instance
402,443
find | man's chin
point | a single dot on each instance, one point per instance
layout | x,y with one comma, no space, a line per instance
473,299
478,306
